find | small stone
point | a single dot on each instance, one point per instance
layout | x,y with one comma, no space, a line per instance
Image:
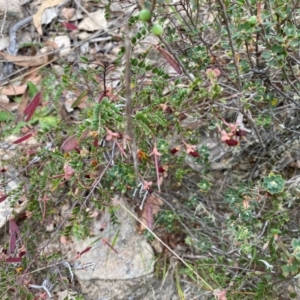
63,42
4,99
68,104
4,43
96,21
116,7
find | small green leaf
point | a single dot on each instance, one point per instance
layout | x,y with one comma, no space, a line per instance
266,54
84,59
32,88
277,48
289,268
5,116
296,243
78,100
48,121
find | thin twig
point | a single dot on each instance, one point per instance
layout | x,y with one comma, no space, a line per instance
226,19
129,122
290,82
282,93
249,117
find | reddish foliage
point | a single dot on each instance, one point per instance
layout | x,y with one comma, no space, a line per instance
77,149
69,26
150,190
103,94
70,144
161,169
232,142
31,152
22,217
174,150
194,154
240,132
168,110
21,254
85,250
109,245
14,259
30,109
234,130
191,149
3,198
14,233
23,138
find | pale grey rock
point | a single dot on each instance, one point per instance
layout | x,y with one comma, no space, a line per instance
95,21
114,275
116,7
6,209
142,288
10,7
4,42
116,10
220,155
64,44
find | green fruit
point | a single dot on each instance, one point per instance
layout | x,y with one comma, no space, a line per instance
157,29
252,20
145,15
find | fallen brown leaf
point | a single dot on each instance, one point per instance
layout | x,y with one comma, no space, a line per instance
68,13
18,90
70,144
170,59
37,18
26,61
151,208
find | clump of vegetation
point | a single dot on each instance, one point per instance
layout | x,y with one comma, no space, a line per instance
220,72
